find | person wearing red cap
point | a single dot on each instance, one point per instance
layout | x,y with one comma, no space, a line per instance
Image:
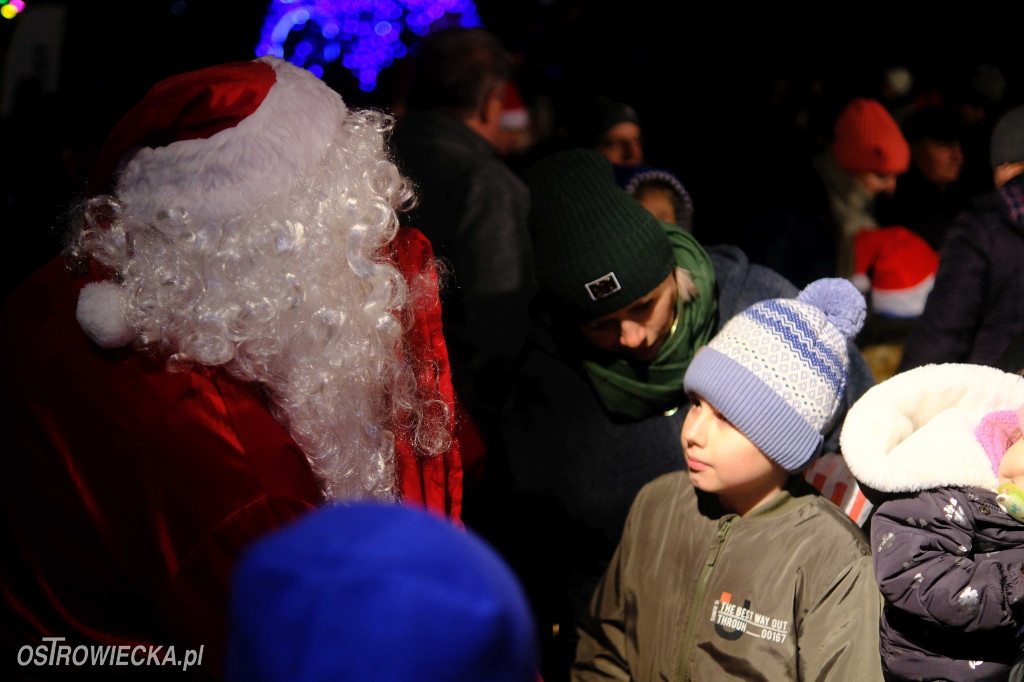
895,269
237,333
515,130
868,152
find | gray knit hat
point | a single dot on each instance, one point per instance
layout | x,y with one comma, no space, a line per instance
777,371
1008,138
596,249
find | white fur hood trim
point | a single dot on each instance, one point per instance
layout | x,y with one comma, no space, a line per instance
915,431
229,173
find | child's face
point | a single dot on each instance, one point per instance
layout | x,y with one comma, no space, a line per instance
723,461
658,201
1011,468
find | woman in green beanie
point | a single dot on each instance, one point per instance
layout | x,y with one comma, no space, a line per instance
594,413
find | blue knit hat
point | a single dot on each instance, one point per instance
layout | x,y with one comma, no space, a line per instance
777,370
379,593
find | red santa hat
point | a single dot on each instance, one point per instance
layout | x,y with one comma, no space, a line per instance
514,114
213,143
897,266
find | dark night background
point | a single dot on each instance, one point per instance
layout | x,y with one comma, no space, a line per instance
717,87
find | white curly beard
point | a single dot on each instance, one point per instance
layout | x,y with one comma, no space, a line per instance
296,295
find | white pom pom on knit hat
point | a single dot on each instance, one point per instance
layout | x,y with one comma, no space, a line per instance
777,371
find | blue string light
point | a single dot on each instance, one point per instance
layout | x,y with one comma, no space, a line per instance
367,35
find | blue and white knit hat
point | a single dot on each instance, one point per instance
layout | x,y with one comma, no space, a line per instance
777,370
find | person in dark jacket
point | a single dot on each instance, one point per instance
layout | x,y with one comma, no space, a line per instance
975,309
929,196
471,206
598,402
933,446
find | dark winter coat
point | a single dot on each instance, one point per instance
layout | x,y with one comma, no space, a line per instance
922,207
952,583
473,210
947,559
976,308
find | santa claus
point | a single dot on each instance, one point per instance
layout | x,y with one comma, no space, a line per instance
237,333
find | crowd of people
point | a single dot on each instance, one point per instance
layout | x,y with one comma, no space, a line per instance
319,392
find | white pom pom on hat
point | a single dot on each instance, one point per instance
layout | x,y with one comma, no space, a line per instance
100,314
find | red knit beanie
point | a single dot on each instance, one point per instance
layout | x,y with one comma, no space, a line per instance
868,139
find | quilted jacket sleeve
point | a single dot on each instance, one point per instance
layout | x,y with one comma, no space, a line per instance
927,565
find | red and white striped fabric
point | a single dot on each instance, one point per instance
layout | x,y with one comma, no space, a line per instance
832,478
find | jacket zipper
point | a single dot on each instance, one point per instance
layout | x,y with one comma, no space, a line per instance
689,640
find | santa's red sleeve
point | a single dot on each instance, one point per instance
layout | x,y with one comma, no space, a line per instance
435,481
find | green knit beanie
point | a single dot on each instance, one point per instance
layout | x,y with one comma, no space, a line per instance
596,249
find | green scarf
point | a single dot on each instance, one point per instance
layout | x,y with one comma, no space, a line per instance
636,391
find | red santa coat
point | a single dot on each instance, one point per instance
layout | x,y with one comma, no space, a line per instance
128,491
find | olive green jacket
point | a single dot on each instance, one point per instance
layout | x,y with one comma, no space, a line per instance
695,593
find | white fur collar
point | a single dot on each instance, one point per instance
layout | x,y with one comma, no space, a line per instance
916,430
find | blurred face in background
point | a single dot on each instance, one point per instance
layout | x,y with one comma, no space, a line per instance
876,183
939,161
622,144
658,201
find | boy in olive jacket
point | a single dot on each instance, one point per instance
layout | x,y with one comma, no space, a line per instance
736,568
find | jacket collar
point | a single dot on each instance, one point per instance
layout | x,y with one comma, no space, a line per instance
794,495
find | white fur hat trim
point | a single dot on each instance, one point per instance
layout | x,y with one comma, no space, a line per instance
100,315
227,174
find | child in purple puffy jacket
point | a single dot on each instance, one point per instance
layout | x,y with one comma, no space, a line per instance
938,450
